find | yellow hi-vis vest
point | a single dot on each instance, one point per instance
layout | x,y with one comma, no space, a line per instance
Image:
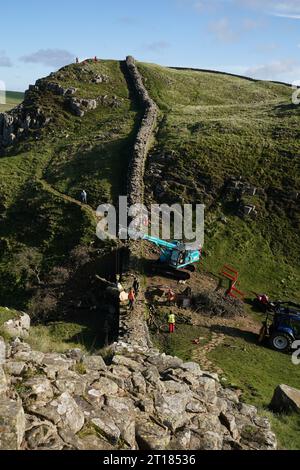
171,318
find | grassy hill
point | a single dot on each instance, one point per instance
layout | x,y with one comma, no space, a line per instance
13,98
41,180
215,127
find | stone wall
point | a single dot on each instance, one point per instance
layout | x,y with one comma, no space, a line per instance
143,139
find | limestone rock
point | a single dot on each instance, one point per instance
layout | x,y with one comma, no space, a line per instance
18,327
3,382
2,351
12,424
151,436
70,414
34,357
95,363
106,425
37,390
42,435
15,368
93,442
286,399
106,386
69,381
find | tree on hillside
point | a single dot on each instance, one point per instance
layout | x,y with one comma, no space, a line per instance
27,266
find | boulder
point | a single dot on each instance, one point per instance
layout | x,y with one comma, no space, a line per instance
209,440
105,386
71,415
93,442
69,381
42,435
37,390
125,422
106,425
151,436
95,363
170,409
12,424
54,363
3,382
127,362
18,327
35,357
15,368
286,399
2,351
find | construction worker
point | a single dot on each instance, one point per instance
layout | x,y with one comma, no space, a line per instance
171,296
131,298
171,321
83,197
136,285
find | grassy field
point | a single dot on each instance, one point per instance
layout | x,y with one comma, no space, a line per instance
13,98
215,127
257,371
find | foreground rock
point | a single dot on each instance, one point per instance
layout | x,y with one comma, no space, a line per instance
141,400
286,399
12,424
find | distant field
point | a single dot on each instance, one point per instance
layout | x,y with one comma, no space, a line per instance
13,98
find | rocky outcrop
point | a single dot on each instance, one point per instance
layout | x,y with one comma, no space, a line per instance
141,399
79,107
286,399
18,327
135,186
17,123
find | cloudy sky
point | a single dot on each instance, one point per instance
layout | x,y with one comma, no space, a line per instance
258,38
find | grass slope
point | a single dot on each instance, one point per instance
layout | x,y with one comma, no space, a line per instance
13,98
214,127
41,180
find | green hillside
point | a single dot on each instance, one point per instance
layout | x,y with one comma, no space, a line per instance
215,131
42,177
13,98
215,127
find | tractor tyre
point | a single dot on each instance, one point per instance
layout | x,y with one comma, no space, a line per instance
281,342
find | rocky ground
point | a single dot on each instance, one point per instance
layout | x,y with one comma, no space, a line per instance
141,399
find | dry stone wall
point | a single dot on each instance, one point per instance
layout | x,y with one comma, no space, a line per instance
144,136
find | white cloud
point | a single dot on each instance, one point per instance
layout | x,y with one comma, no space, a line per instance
49,57
279,8
223,30
282,70
294,17
157,46
4,60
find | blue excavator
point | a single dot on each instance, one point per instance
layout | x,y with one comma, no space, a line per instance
177,259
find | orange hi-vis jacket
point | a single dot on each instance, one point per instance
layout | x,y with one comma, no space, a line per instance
131,296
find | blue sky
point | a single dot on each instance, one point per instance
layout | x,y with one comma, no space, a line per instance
259,38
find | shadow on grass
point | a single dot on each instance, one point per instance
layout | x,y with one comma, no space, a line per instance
233,332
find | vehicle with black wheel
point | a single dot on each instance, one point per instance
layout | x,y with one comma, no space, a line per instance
281,326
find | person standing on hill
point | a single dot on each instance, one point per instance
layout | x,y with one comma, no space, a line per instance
131,298
171,321
83,197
